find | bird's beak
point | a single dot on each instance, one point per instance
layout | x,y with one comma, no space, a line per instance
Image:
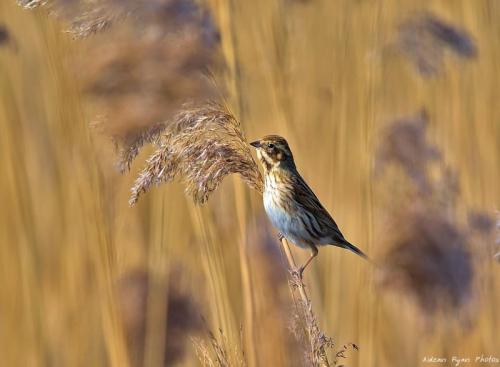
255,144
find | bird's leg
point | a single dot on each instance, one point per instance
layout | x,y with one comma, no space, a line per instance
314,253
280,236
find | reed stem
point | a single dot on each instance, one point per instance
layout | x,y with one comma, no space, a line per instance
318,353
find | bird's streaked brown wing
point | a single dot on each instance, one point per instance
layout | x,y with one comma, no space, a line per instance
321,220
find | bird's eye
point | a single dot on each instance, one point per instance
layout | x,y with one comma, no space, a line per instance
270,145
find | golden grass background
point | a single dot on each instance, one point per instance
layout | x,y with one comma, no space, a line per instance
323,74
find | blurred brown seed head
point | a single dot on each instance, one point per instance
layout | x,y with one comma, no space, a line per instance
429,254
480,222
139,62
404,144
424,39
7,39
84,17
139,81
202,145
4,34
430,259
182,315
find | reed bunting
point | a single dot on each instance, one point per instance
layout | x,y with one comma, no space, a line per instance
291,205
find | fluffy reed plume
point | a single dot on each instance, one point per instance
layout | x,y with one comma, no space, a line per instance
84,18
202,145
31,4
128,147
430,255
424,38
181,316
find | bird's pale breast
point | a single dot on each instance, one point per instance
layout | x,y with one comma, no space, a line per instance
283,213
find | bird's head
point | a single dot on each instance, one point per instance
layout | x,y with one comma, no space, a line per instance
273,150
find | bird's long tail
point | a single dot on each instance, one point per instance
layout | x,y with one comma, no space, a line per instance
357,251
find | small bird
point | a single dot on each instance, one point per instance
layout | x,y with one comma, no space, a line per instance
291,205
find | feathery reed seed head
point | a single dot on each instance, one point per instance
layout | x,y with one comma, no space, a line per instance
202,145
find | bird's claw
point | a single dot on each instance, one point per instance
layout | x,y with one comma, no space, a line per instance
280,236
297,272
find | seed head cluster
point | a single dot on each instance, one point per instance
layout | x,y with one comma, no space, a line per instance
202,145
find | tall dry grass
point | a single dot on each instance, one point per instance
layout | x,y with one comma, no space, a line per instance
330,77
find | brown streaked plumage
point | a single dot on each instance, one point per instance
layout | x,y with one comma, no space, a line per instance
291,205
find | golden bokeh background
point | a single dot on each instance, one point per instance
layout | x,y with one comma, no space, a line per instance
76,260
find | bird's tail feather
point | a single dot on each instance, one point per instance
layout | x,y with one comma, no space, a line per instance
357,251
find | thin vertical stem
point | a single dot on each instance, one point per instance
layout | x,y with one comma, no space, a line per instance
318,351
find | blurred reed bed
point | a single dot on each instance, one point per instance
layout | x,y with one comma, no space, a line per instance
57,250
331,77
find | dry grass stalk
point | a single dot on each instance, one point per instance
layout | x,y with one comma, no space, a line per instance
341,353
202,145
497,241
217,352
318,342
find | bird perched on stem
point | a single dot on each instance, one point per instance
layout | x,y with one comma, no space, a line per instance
291,205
